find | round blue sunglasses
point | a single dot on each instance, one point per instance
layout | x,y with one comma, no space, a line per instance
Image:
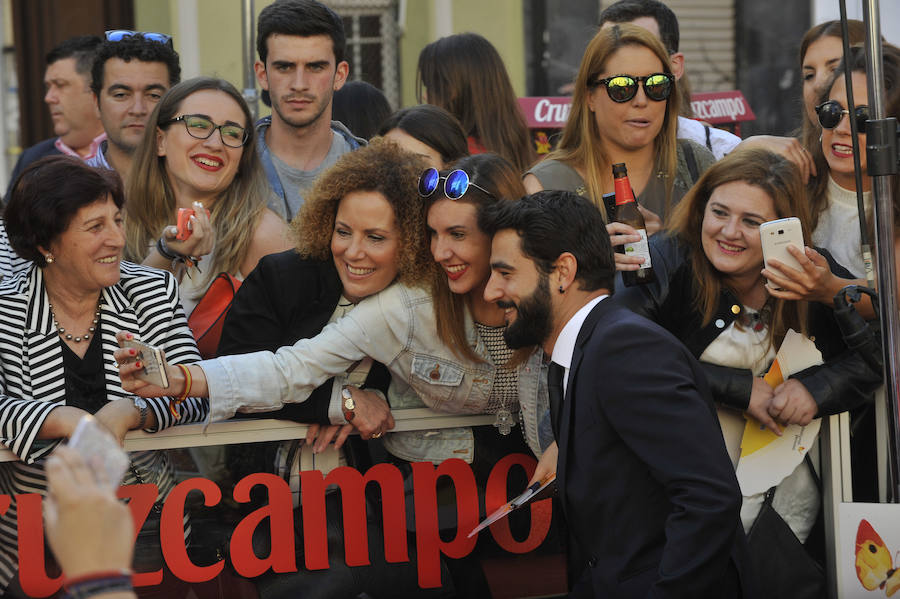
456,183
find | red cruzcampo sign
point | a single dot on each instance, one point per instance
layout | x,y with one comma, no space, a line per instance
717,108
547,113
278,516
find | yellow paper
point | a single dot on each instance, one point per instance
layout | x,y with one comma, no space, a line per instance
766,459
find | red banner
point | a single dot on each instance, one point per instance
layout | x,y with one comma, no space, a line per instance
278,515
716,108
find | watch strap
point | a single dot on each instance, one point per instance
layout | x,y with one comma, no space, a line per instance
142,408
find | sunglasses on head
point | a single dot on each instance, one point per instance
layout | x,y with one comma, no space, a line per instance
456,183
117,35
831,112
622,88
201,127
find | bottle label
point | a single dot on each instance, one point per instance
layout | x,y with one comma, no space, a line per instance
640,248
624,194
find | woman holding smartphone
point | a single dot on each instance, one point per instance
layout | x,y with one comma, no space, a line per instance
710,293
427,336
199,154
59,318
442,342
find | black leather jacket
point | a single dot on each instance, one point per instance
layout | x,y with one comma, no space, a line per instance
845,380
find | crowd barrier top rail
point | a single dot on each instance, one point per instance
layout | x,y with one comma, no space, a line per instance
257,430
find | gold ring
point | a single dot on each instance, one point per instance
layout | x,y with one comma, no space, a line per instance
376,435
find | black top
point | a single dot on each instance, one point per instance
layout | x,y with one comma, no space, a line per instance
844,382
284,299
85,383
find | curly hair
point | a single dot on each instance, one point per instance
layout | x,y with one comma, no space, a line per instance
384,167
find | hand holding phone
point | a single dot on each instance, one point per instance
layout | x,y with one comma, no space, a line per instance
183,223
776,236
154,370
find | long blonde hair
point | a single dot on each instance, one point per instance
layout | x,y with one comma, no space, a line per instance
580,145
780,179
151,203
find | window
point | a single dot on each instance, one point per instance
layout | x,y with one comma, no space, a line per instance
372,43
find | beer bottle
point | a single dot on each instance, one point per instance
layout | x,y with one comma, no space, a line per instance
627,212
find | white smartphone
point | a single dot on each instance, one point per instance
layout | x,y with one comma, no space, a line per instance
776,236
154,371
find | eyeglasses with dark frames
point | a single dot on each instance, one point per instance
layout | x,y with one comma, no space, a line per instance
201,127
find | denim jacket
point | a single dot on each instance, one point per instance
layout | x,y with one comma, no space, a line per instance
396,328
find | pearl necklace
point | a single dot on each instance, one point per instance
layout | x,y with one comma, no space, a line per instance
69,336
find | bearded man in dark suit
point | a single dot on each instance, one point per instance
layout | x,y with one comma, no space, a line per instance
647,490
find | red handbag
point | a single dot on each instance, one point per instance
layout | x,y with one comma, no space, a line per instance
208,316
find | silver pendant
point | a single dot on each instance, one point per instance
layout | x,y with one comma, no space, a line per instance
504,421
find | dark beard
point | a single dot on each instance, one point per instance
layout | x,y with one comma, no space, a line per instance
533,319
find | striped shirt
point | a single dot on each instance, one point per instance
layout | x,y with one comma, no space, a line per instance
32,382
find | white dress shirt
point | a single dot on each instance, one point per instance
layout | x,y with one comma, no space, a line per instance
565,343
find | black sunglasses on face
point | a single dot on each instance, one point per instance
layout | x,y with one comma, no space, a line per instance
831,112
200,127
622,88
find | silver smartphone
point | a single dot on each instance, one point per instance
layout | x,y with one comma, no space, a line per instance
154,371
776,236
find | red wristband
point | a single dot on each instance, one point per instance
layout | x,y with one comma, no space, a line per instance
96,576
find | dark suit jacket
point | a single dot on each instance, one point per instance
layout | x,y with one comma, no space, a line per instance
646,486
38,150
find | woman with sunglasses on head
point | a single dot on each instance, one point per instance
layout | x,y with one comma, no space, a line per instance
624,109
198,154
432,346
441,341
709,292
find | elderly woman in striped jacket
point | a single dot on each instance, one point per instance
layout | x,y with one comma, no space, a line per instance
58,321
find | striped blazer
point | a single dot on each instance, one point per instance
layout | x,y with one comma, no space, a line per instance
32,379
10,262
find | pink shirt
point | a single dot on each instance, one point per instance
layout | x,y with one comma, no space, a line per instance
92,149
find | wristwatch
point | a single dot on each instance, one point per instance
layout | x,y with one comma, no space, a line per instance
141,404
348,403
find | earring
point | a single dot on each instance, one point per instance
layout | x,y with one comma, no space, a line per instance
561,290
49,258
820,137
